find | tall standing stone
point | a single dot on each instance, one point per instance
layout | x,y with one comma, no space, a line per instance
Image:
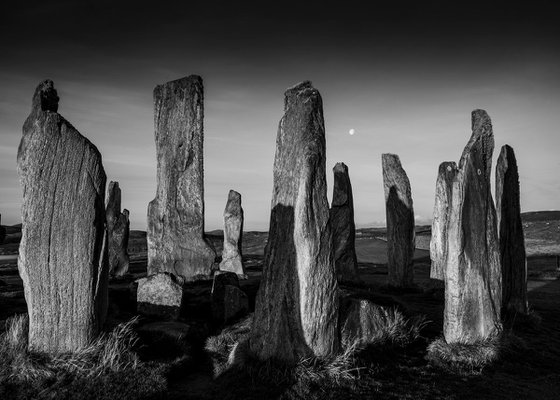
473,278
176,241
510,230
296,309
63,218
118,228
442,207
343,227
2,231
233,231
400,222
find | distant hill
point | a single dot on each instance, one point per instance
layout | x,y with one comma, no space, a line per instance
535,216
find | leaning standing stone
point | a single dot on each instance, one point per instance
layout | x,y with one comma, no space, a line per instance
400,222
510,229
233,231
118,227
442,207
176,242
296,309
343,227
473,276
63,218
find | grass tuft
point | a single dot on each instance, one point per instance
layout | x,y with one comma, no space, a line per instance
91,370
473,358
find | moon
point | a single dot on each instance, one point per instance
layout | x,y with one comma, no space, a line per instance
351,131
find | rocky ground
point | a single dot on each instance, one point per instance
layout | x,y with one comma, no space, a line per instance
531,371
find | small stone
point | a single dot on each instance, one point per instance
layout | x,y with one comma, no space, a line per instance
118,230
233,231
160,296
362,321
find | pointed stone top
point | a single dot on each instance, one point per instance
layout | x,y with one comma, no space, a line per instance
233,195
391,157
45,97
480,121
113,185
340,167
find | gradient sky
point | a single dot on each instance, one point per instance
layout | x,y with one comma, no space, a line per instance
404,76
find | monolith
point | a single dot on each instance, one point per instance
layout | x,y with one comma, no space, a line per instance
63,223
118,228
2,231
473,275
160,296
343,227
438,242
510,233
228,300
176,241
233,231
400,222
296,309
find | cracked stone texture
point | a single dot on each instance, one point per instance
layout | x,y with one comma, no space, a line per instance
233,231
473,277
343,226
442,207
296,309
63,216
510,232
400,222
176,241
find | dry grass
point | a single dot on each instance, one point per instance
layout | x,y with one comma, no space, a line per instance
472,358
36,375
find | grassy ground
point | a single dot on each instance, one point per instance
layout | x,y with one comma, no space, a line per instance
178,366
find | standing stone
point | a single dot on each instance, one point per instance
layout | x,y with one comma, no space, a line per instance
176,241
118,228
442,207
473,279
400,222
343,227
63,218
296,309
233,231
2,231
510,230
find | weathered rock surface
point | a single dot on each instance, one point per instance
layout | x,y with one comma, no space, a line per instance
473,275
442,207
63,216
118,229
296,309
160,296
233,231
175,235
228,300
510,231
400,222
343,227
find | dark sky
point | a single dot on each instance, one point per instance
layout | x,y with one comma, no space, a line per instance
404,75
